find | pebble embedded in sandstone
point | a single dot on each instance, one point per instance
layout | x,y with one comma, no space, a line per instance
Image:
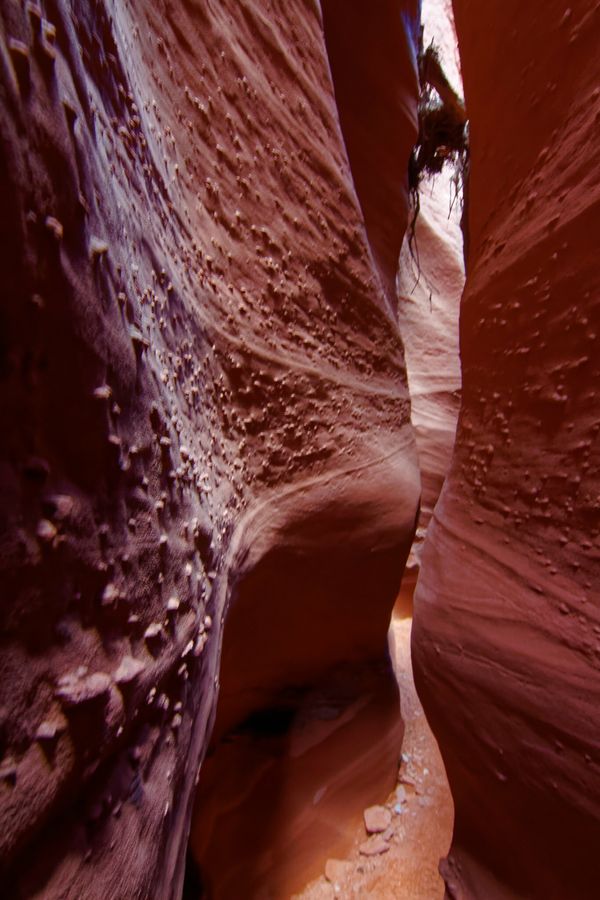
153,631
46,531
55,227
48,731
75,690
97,247
129,670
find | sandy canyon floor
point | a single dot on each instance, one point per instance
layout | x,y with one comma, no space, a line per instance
405,856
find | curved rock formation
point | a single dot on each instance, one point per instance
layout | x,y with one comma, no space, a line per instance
429,299
207,398
430,284
507,628
373,59
308,707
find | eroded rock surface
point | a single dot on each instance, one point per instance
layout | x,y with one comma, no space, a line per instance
430,283
201,377
507,627
372,55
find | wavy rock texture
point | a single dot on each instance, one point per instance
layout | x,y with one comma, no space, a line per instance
428,316
307,727
430,284
372,55
506,639
204,389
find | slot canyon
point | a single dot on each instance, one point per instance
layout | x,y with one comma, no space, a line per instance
300,517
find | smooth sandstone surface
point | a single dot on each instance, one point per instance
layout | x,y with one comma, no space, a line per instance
429,284
421,807
207,401
507,625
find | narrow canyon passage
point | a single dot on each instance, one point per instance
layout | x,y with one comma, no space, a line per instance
305,738
404,863
237,444
282,798
307,733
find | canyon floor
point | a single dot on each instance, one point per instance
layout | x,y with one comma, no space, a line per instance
421,824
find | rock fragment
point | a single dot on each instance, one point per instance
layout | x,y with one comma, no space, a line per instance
153,636
377,819
97,248
110,594
129,670
19,53
76,690
374,846
46,531
54,227
103,392
49,730
336,870
173,604
48,40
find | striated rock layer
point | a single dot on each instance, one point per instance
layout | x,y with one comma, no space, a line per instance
307,726
429,299
506,639
430,283
207,404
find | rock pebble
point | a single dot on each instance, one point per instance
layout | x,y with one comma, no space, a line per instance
129,670
336,870
374,846
74,689
377,819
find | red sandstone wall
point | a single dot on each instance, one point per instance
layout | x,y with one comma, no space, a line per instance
196,359
430,283
372,53
507,623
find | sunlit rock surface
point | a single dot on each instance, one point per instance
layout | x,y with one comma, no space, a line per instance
430,284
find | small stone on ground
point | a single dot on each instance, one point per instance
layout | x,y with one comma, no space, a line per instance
336,870
377,819
374,846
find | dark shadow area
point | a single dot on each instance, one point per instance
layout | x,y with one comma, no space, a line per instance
308,728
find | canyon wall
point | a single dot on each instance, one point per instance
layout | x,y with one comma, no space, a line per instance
430,282
506,640
373,60
207,404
